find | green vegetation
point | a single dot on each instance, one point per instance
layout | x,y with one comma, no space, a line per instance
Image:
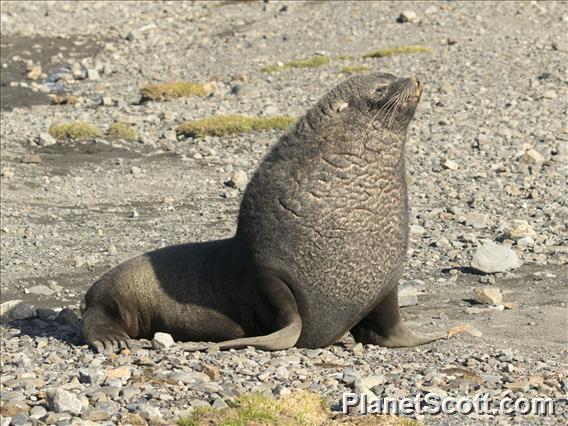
352,69
175,89
401,50
313,62
122,131
223,125
75,130
298,408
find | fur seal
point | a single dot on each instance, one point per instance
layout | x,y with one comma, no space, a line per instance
320,244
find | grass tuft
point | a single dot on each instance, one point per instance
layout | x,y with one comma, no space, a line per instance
313,62
175,89
352,69
401,50
122,131
75,130
223,125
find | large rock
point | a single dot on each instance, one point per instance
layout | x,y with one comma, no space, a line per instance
16,310
62,401
491,258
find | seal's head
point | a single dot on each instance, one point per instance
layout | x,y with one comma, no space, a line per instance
380,99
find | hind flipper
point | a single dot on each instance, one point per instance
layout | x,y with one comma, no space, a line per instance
276,310
384,327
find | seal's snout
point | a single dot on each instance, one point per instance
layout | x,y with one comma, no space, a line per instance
414,86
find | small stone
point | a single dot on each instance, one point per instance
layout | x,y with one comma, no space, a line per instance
133,214
491,258
45,139
549,94
31,159
358,349
107,101
33,72
8,173
95,415
37,412
162,341
118,373
451,165
148,412
20,420
188,377
407,16
13,408
212,371
93,74
477,220
238,180
562,152
417,284
280,390
94,376
533,157
526,242
40,290
407,296
520,229
522,386
511,305
135,170
218,404
16,310
488,295
67,316
62,401
132,419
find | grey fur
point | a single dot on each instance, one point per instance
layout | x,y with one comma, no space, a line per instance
321,239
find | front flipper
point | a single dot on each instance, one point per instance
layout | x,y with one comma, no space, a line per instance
276,310
383,326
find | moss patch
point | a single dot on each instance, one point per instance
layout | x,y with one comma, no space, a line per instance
175,89
76,130
298,408
401,50
223,125
313,62
122,131
352,69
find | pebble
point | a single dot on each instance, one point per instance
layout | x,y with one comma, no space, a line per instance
488,295
451,165
521,229
40,290
95,415
45,139
62,401
477,220
149,412
491,258
407,16
37,412
162,341
562,152
238,180
407,296
93,74
31,159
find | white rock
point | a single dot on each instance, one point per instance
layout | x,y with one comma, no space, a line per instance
407,296
488,295
41,290
521,229
533,157
62,401
93,74
162,340
451,165
45,139
477,220
238,180
491,258
16,310
562,151
148,412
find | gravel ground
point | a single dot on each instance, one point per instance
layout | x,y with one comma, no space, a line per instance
487,162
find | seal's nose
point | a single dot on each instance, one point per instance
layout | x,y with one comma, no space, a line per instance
417,86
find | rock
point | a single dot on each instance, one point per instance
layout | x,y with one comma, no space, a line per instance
94,376
162,341
93,74
33,72
417,284
95,415
13,408
407,296
407,16
37,412
218,404
522,386
45,139
13,310
20,420
488,295
132,419
533,157
477,220
212,371
238,180
188,377
521,229
562,152
67,316
31,159
135,170
491,258
62,401
451,165
549,94
5,421
41,290
526,242
133,214
148,412
464,328
118,373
